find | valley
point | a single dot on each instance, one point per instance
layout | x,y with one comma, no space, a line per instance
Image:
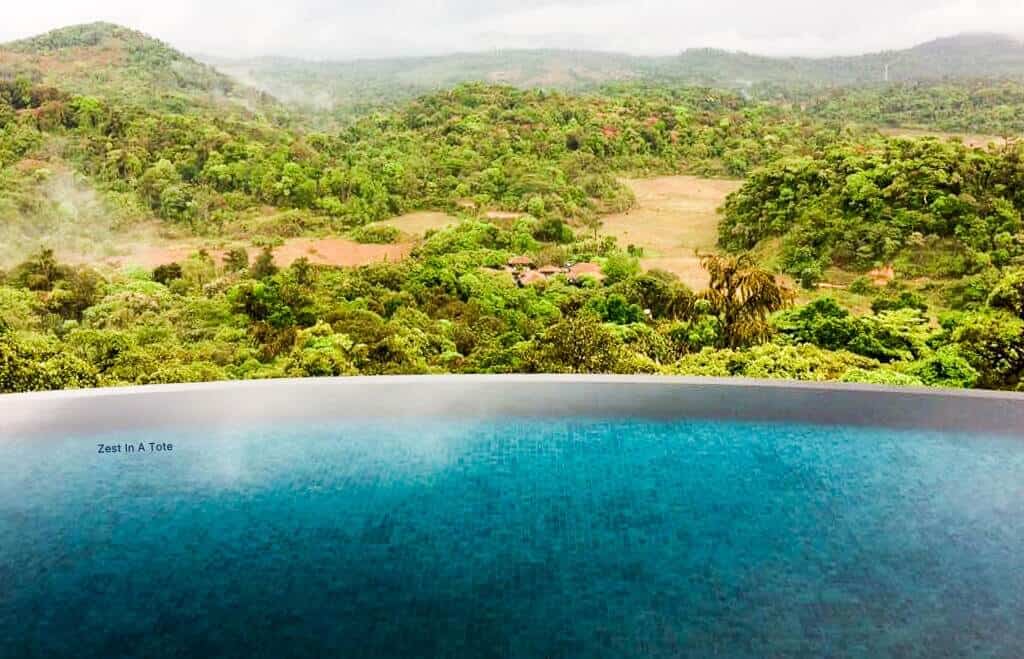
166,218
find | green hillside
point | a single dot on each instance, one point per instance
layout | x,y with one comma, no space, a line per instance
110,61
909,251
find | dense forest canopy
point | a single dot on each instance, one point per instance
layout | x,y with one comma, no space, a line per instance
845,254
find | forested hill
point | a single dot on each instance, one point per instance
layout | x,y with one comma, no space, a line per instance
966,56
114,62
358,83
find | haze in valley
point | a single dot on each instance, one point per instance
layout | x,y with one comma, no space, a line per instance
322,29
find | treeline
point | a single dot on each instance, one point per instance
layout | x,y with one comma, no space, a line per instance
994,108
490,147
447,310
932,208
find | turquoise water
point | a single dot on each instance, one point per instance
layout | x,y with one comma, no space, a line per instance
514,538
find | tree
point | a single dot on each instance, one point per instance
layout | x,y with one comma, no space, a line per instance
264,266
167,273
39,272
579,344
993,343
1009,293
40,366
156,180
742,296
236,259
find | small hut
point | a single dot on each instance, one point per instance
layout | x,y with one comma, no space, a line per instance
882,276
520,262
529,277
581,270
549,270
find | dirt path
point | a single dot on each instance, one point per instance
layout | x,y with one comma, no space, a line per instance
675,217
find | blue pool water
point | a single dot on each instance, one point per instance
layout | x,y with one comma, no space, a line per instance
514,538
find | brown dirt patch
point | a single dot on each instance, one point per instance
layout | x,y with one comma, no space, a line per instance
675,218
338,251
321,251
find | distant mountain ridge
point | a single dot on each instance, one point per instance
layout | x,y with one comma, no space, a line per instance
972,56
110,60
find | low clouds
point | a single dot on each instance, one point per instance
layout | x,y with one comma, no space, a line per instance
364,28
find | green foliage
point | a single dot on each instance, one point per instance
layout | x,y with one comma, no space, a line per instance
773,361
580,344
1008,293
946,367
977,106
882,377
620,267
993,344
377,234
38,365
73,155
236,259
901,300
888,336
264,265
858,205
167,273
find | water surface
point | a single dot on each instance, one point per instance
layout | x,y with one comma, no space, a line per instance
514,538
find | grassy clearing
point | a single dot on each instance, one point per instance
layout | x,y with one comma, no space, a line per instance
675,218
973,140
415,225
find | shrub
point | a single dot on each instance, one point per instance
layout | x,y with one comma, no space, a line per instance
945,368
862,286
882,376
376,234
903,300
236,259
889,336
1008,294
773,361
264,266
40,365
553,230
993,344
579,344
167,273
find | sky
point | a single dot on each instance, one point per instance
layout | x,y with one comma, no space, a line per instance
343,29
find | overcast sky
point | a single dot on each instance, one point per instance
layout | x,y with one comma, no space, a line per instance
361,28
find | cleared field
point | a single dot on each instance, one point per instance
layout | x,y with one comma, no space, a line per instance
676,217
973,140
151,250
321,251
417,224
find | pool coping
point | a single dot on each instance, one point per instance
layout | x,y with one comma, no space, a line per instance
222,404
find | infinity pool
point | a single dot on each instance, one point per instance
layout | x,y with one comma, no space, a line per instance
513,538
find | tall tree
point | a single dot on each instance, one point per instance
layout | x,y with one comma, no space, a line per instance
743,295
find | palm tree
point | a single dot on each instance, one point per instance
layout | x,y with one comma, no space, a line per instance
743,295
